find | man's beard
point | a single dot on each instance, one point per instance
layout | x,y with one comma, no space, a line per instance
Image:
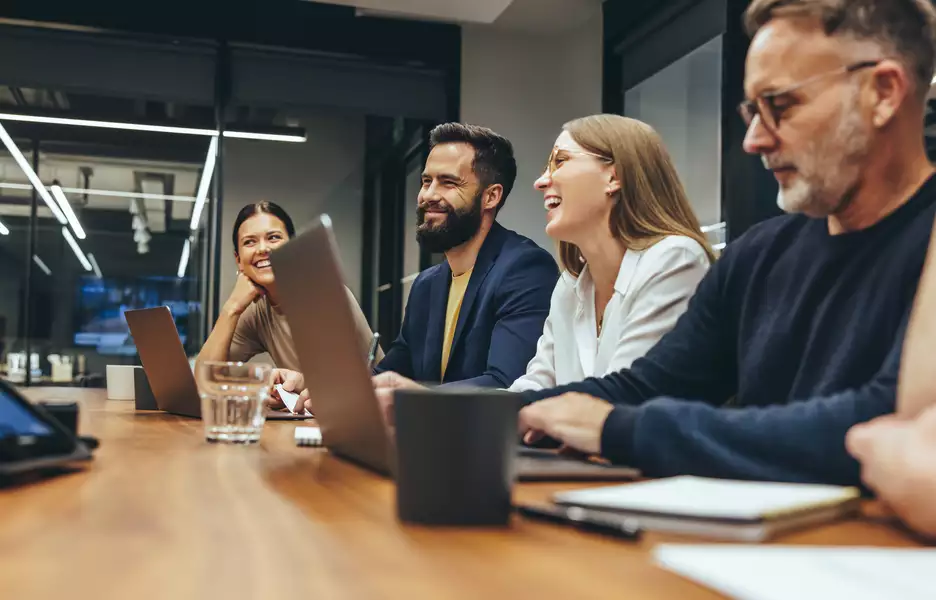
458,227
828,173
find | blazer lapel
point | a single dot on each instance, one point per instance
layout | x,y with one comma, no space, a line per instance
487,256
435,324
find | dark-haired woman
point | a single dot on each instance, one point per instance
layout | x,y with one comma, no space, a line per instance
251,322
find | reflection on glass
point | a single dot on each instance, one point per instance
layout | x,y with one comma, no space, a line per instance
683,103
114,241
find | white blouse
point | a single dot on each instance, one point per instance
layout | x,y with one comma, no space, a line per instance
652,290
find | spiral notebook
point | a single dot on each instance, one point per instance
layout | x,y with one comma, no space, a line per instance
738,510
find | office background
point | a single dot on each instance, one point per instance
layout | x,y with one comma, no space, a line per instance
356,88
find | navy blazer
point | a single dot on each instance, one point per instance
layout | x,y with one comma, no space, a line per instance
501,317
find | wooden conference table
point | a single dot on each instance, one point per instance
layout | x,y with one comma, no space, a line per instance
159,513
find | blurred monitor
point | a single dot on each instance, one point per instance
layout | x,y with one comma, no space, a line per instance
100,305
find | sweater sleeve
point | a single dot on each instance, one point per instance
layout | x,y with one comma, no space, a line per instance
799,442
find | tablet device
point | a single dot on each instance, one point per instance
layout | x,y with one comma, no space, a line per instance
32,439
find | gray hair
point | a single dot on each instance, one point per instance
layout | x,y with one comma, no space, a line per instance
905,29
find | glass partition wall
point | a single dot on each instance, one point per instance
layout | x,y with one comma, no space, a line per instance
96,221
121,175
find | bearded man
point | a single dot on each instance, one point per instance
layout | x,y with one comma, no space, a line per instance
475,318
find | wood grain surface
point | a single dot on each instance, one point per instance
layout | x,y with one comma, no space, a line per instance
159,513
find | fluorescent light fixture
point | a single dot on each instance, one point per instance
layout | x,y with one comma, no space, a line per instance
205,183
183,261
94,265
113,193
31,175
45,268
74,246
140,195
268,137
69,213
4,230
247,135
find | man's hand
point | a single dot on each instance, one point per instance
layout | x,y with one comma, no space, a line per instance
574,419
385,385
292,382
896,458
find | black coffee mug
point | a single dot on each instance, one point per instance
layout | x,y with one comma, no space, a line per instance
455,456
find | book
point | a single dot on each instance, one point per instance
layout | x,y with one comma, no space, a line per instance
719,508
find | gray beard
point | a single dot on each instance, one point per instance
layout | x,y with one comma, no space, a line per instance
822,189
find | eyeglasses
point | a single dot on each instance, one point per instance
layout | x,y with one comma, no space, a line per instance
771,106
555,161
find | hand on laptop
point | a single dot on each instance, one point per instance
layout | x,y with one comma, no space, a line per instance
576,420
384,386
896,458
292,381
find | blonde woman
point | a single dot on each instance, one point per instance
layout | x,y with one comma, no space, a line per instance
630,245
631,249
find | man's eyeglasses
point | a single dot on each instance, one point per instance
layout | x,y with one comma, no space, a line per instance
555,160
770,106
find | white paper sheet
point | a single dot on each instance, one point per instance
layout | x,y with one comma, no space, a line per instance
289,399
805,572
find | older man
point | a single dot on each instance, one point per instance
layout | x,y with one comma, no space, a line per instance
795,334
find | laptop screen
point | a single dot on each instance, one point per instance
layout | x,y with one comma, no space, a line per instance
17,421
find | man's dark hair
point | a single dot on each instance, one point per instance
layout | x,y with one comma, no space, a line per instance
493,162
905,29
257,208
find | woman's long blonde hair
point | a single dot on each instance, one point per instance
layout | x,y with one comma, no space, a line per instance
652,203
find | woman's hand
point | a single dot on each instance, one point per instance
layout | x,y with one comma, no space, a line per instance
292,381
245,293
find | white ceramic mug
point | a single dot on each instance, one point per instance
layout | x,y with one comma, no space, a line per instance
120,382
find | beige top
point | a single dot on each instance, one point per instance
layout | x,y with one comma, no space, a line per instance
263,328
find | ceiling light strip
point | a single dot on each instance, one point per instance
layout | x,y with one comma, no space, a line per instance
94,265
204,184
69,213
112,193
76,249
31,175
45,268
183,260
247,135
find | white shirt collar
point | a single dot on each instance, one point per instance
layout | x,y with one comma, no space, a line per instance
584,283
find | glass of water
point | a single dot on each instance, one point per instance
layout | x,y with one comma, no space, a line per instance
233,397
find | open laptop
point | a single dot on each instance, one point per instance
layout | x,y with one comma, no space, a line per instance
166,365
312,295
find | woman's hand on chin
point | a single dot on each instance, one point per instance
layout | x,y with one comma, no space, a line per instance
245,293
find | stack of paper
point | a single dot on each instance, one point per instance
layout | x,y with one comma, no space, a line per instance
805,573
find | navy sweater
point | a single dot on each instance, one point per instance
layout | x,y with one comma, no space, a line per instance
792,337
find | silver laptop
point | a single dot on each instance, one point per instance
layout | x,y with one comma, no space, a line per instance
164,360
313,297
166,365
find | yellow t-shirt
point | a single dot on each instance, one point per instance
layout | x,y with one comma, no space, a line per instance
456,295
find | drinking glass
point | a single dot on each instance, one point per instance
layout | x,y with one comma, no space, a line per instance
233,396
